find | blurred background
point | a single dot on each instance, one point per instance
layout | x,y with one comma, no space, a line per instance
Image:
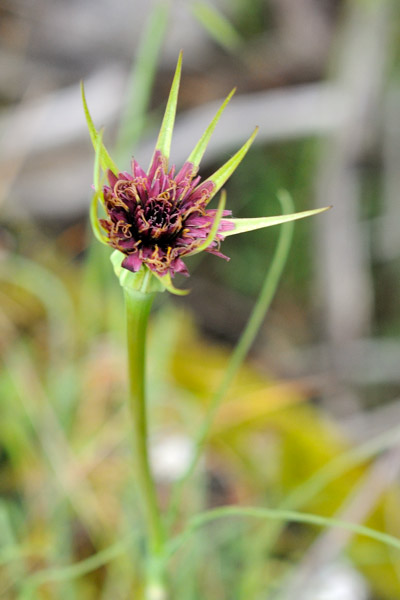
311,422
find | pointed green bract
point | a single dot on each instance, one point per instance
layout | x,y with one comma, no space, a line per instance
97,161
106,162
223,174
202,144
167,126
94,220
243,225
213,232
98,195
166,281
145,280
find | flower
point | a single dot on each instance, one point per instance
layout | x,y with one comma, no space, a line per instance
156,219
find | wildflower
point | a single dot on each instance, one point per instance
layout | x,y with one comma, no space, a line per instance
156,219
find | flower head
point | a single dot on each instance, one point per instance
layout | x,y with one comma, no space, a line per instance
155,219
158,218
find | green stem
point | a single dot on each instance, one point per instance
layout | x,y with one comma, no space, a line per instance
138,307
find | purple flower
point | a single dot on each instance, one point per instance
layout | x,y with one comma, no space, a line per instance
158,218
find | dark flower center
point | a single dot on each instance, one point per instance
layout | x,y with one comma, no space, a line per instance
157,215
158,221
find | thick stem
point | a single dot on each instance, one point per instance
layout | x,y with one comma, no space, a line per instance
138,307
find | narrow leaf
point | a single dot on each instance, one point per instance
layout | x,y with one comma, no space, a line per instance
278,515
214,229
243,225
106,161
201,146
167,126
223,174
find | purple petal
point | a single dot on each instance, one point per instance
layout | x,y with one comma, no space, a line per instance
158,162
111,178
178,266
132,262
155,188
216,252
127,244
212,212
126,175
225,226
137,169
187,172
202,192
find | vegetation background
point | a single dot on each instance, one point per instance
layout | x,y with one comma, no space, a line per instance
311,422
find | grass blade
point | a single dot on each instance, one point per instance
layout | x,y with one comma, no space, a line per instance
279,515
217,25
142,79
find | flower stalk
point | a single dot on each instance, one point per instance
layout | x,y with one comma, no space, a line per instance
138,306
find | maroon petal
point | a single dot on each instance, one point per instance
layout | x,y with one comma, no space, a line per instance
126,175
216,252
127,244
132,262
187,172
155,188
137,170
178,266
158,163
111,178
225,226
